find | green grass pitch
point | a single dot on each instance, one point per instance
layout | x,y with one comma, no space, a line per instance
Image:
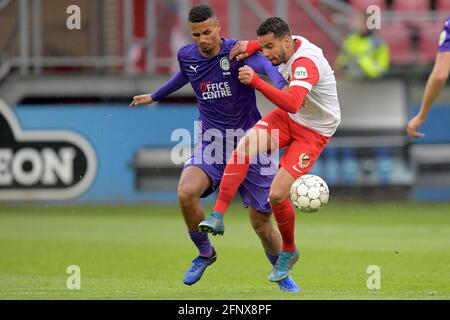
142,252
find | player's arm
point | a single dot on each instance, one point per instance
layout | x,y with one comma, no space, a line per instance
244,49
263,66
177,81
436,81
305,76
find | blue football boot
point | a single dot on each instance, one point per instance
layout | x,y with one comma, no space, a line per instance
214,224
199,266
284,264
288,285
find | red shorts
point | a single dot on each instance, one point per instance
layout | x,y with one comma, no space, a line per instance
303,145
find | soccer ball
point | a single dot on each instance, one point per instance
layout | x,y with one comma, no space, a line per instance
309,193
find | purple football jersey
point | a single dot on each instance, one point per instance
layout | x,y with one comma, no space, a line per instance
224,102
444,38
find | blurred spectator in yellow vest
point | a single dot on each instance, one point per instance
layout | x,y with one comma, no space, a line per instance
363,53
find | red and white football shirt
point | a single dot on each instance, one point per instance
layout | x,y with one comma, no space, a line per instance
308,68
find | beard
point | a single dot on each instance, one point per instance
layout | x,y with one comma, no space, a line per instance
206,49
280,59
276,63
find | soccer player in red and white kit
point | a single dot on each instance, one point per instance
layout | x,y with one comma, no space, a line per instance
306,117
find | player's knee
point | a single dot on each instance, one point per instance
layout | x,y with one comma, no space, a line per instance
186,193
441,77
262,228
277,196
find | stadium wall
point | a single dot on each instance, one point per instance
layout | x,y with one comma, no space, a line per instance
116,134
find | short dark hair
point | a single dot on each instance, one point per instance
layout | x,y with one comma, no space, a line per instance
201,13
276,25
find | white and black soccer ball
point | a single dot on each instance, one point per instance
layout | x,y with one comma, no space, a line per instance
309,193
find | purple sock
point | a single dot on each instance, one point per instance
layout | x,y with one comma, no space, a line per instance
201,241
272,259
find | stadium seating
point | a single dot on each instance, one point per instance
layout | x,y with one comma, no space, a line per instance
443,5
398,37
303,25
361,5
221,8
428,41
411,5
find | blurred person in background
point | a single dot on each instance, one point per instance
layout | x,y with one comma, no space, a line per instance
363,55
436,81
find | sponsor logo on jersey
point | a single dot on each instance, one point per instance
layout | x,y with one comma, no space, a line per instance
194,68
296,169
300,73
304,160
204,85
215,90
225,64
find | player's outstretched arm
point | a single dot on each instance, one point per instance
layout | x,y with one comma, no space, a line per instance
177,81
435,83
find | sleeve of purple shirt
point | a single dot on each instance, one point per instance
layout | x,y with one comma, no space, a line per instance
177,81
263,66
444,37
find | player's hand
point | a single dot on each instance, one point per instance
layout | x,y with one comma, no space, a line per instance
413,125
239,51
246,75
142,99
304,103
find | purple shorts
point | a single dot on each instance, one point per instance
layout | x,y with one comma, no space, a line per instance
254,190
444,37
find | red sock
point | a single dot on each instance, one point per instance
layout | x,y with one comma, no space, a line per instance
234,173
285,216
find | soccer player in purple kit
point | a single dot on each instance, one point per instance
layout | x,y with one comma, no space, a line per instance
224,104
436,82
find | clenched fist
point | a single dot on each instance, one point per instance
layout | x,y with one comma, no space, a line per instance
246,75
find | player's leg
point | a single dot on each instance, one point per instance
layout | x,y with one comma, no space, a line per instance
254,192
297,160
193,183
270,237
285,217
254,142
271,242
267,135
283,210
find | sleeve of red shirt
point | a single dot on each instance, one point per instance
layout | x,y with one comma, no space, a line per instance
252,47
304,76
